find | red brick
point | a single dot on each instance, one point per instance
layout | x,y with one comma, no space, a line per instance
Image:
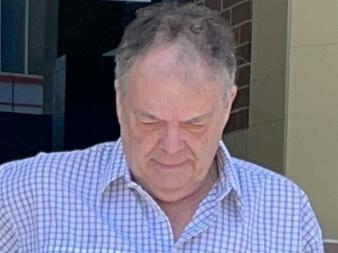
243,76
242,119
236,32
245,32
213,4
241,12
242,99
232,123
226,16
229,3
237,120
244,54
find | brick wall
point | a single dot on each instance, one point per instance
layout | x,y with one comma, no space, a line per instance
238,14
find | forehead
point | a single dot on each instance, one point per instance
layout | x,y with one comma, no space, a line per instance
166,80
179,60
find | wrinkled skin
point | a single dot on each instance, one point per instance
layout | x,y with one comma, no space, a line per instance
172,116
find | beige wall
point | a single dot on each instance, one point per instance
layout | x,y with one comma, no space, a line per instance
311,151
293,121
263,142
267,89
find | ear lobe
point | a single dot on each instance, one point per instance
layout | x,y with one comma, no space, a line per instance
228,103
232,93
231,97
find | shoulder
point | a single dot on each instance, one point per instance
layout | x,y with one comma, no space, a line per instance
271,193
258,176
278,200
32,189
28,175
257,182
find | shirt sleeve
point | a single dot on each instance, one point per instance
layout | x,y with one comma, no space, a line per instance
8,239
312,241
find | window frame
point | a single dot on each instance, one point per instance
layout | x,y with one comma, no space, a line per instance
26,38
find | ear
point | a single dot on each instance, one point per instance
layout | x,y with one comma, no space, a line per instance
228,103
118,100
231,97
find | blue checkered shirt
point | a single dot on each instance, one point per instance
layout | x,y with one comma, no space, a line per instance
85,202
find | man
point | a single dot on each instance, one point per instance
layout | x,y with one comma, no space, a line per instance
169,184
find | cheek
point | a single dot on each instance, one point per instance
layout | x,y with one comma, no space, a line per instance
197,143
208,136
146,140
132,131
205,144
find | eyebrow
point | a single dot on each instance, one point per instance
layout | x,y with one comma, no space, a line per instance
199,118
195,119
147,115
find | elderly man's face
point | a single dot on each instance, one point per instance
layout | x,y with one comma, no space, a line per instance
171,118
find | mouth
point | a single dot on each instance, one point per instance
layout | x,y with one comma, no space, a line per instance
169,165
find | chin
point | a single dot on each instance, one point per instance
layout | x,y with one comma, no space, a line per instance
168,197
170,193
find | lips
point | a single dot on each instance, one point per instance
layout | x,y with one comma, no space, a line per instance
169,164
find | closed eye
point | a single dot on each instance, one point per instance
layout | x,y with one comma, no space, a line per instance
195,126
151,123
147,119
199,122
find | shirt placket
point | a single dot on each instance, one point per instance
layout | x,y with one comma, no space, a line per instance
160,224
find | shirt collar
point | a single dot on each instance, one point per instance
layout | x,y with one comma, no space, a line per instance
117,168
228,178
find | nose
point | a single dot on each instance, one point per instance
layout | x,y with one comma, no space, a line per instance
172,141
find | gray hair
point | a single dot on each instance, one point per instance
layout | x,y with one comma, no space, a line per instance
202,28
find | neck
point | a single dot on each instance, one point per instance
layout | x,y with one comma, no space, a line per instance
180,212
